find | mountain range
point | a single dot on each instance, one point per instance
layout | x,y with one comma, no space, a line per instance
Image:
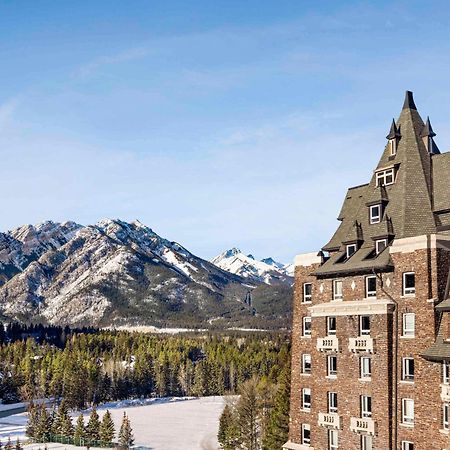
116,273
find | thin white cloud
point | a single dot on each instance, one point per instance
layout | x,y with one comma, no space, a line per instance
7,110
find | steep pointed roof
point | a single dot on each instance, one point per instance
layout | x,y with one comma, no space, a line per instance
408,208
394,132
427,130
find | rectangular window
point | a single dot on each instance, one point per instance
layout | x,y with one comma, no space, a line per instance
307,292
333,440
366,406
332,402
445,411
331,326
306,434
307,326
409,320
337,289
351,248
385,177
408,369
366,442
371,286
365,367
380,245
407,445
364,325
332,365
408,411
306,398
446,372
375,214
306,363
409,283
393,146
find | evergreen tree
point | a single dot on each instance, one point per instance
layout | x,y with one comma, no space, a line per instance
228,435
9,445
79,433
63,422
93,426
33,419
44,425
18,445
248,414
107,429
126,438
278,426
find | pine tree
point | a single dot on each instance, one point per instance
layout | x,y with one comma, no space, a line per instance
248,414
228,435
33,419
79,433
126,438
93,426
9,445
278,426
18,445
107,429
44,425
63,422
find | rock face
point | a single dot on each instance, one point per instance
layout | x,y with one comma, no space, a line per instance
266,271
116,273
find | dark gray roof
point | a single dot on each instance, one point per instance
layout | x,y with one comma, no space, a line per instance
427,130
421,187
394,131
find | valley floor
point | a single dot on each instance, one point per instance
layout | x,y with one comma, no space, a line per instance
161,424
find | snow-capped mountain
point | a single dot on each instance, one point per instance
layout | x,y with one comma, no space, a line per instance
114,273
266,271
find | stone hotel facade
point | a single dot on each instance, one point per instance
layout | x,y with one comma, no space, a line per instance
371,327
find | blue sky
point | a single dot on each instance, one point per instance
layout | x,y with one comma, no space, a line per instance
217,123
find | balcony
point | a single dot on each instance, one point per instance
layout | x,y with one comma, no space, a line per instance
445,392
329,343
329,420
362,425
361,344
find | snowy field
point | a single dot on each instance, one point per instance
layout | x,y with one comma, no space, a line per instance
159,424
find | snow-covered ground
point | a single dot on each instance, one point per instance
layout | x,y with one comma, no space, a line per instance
160,424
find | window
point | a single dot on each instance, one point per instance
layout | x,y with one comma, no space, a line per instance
371,286
306,363
337,289
306,434
333,440
409,283
365,364
331,326
408,411
407,445
332,365
306,398
351,248
307,292
366,442
446,372
445,411
409,320
366,406
332,402
408,369
385,177
364,325
380,245
393,147
307,326
375,214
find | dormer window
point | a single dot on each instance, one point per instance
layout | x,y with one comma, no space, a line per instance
375,214
385,177
351,248
380,245
393,147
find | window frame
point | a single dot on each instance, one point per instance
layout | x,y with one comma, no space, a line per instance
366,406
306,405
392,147
332,398
377,242
350,246
411,291
364,331
407,332
445,415
337,296
366,442
331,372
307,298
384,175
363,373
406,363
371,294
333,442
307,333
305,370
407,445
407,420
373,218
330,331
446,372
306,441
